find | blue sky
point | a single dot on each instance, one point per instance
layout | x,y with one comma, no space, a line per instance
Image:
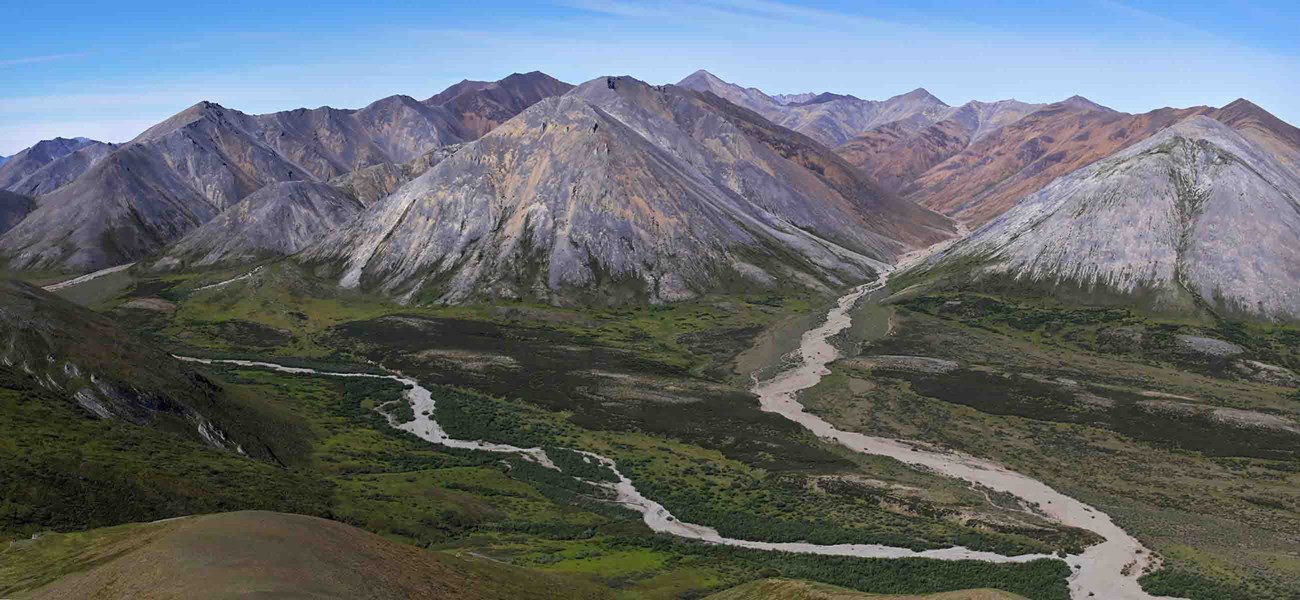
109,70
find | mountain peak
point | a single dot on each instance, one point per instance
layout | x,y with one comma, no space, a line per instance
1078,101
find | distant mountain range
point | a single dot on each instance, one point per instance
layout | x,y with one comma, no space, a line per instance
617,191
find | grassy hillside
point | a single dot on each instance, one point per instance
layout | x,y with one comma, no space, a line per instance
234,555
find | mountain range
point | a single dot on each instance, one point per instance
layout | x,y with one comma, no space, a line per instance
616,190
182,172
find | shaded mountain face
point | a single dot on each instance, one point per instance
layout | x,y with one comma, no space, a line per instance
896,154
82,356
21,165
623,191
1194,216
180,173
13,208
831,119
277,220
991,174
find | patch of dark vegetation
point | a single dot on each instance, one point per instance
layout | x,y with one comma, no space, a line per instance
724,343
1037,580
1186,584
250,334
1021,396
578,465
555,372
1119,330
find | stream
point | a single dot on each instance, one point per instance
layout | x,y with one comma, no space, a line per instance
1108,570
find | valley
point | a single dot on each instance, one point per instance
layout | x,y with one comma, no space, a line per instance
624,340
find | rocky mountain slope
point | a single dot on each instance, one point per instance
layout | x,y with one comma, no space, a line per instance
624,190
831,119
63,170
19,166
1194,216
896,154
182,172
277,220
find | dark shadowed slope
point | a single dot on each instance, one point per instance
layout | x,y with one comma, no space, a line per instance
13,208
620,190
1195,216
277,220
277,555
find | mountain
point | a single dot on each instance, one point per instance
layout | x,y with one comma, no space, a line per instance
3,159
28,161
1194,216
63,170
751,98
480,108
277,220
619,190
991,174
278,555
1278,137
13,208
166,182
896,154
182,172
831,119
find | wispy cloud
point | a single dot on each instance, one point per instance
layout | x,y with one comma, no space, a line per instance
27,60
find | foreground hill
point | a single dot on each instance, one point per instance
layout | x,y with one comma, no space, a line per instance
267,554
628,191
1195,216
181,173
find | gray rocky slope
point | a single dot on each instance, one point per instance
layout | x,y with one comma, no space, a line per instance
1195,215
623,191
831,119
13,208
182,172
277,220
